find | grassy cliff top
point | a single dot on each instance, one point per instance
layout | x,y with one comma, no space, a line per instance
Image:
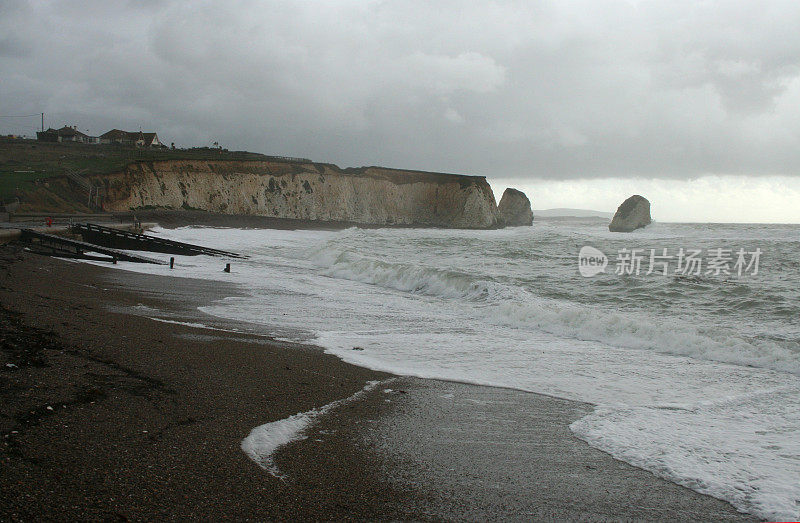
22,162
25,164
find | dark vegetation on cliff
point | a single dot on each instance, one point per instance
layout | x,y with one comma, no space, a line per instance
24,164
401,176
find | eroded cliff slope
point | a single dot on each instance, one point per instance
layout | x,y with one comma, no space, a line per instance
305,191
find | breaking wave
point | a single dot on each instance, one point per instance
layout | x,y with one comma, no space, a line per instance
517,307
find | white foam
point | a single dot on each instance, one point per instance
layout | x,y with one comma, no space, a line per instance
704,399
208,327
516,307
185,323
745,450
638,331
406,277
263,441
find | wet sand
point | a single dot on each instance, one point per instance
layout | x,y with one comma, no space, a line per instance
108,414
481,453
147,417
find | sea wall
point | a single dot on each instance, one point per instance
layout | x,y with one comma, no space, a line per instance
305,191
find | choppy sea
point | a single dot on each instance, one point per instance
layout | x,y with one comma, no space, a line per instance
687,342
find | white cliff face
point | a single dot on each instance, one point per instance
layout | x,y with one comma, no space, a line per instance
515,208
316,192
632,214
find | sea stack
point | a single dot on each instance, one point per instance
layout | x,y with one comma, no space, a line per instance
634,213
515,208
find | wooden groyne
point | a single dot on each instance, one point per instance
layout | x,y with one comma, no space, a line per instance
65,247
12,232
118,239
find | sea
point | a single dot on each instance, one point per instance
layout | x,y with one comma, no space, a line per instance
684,337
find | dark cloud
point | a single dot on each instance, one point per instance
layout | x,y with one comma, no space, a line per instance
509,89
13,48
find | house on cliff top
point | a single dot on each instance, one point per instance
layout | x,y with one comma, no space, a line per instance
138,138
72,134
65,134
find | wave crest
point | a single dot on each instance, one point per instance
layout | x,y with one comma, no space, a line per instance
516,307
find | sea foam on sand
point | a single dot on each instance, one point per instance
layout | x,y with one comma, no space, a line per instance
262,442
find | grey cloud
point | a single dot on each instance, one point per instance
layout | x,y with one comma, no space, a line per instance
513,89
14,48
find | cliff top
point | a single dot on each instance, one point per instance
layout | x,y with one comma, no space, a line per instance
407,175
26,163
276,166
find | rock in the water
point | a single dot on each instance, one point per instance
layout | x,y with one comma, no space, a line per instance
634,213
515,208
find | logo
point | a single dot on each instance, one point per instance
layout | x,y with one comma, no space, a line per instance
591,261
718,262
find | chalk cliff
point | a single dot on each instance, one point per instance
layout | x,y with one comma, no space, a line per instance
632,214
515,208
305,191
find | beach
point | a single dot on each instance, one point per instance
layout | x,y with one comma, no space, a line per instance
116,415
146,423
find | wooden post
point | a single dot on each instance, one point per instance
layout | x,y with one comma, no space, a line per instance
172,263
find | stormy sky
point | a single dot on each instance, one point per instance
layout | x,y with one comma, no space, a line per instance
694,104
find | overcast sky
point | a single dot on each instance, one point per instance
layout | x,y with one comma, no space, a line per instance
583,103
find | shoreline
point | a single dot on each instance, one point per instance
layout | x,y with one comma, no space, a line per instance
197,394
147,417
